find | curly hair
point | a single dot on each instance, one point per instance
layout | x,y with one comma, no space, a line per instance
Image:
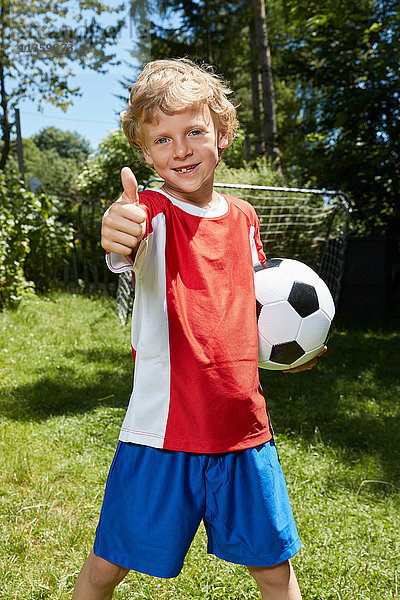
172,86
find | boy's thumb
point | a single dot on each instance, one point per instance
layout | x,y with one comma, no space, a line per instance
130,185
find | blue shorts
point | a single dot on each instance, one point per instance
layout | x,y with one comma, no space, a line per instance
156,499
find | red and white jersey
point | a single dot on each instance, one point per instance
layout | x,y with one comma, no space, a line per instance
194,328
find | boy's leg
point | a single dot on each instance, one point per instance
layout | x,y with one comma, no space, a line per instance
249,520
277,583
97,579
153,504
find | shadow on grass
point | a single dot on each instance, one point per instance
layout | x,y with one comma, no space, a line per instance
71,390
350,401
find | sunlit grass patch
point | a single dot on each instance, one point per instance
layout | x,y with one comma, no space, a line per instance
66,375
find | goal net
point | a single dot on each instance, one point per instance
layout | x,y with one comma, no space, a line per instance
309,225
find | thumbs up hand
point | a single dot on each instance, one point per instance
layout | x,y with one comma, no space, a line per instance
124,223
130,186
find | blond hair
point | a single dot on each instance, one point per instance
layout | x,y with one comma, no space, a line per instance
173,86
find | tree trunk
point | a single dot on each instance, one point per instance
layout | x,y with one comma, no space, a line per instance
255,91
268,91
209,37
5,125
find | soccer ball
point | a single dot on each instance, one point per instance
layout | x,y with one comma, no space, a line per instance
294,311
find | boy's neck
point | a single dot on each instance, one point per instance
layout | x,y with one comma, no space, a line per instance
200,198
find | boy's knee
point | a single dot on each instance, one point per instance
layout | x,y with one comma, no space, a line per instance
277,576
104,574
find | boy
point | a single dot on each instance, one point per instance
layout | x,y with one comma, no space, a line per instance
196,442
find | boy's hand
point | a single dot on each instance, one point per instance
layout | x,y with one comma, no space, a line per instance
124,223
308,365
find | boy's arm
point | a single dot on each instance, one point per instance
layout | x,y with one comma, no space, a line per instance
124,223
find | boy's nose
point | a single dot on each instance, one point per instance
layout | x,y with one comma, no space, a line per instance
181,148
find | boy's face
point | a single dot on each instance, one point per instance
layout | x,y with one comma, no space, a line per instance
183,148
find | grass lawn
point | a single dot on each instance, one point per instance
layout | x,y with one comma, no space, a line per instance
65,380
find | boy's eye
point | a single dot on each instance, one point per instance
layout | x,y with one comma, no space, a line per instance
196,132
161,140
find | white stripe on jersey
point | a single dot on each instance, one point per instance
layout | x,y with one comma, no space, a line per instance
150,339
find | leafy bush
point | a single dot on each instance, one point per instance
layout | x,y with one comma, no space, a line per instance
33,240
50,239
14,241
100,176
258,172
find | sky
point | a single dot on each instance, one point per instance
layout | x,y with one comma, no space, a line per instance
94,113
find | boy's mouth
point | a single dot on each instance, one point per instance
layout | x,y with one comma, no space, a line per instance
186,169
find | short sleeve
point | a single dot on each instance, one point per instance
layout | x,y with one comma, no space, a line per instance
117,263
259,258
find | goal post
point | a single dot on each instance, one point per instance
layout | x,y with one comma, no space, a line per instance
310,225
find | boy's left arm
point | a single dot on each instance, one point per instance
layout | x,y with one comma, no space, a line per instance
308,365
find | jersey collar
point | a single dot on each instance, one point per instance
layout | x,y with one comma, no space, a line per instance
209,213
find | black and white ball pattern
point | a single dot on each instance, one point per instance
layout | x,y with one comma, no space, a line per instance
295,310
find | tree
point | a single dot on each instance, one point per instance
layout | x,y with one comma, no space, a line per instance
233,37
336,84
99,178
270,136
66,144
37,53
211,32
344,60
255,91
55,173
52,156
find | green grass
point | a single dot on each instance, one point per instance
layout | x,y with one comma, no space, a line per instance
65,379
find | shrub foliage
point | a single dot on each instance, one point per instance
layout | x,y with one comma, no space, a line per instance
33,240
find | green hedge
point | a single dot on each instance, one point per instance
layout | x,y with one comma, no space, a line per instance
34,237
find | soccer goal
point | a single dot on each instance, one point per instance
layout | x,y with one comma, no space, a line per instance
309,225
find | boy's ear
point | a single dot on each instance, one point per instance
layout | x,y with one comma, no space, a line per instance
223,140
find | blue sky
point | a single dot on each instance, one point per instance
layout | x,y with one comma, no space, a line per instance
93,114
